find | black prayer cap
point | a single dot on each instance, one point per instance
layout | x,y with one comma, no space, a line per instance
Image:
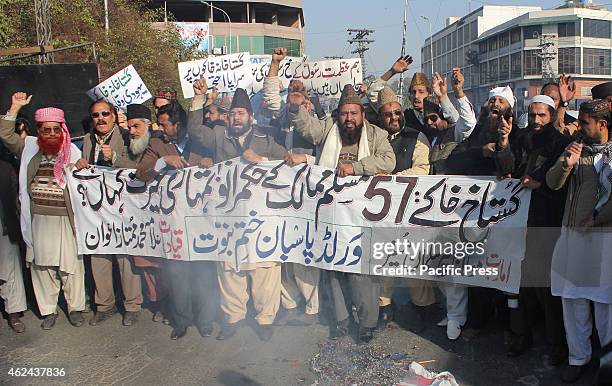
602,90
241,99
137,111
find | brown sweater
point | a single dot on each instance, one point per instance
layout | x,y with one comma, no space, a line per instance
582,192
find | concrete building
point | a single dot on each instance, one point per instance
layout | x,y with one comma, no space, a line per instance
256,26
517,45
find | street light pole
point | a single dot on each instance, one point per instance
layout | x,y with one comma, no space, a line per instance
106,16
228,19
430,45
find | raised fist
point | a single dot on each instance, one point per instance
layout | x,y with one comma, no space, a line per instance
279,54
200,87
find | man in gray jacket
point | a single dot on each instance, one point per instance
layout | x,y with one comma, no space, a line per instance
352,146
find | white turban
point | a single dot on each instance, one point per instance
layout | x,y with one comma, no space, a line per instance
504,92
543,99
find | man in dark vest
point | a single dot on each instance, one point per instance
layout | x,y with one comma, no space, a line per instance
411,149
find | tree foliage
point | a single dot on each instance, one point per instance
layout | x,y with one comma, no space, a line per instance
131,38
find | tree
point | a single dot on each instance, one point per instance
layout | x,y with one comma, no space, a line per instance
131,38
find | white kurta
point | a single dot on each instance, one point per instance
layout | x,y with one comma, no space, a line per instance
53,243
582,265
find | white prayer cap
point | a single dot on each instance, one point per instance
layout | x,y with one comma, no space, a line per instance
504,92
543,99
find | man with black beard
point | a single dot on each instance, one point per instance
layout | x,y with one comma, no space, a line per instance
478,155
534,152
481,154
354,147
240,138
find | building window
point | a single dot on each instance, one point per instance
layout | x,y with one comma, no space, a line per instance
568,29
493,43
596,61
442,67
493,70
533,63
515,65
271,42
569,60
454,39
504,67
483,73
504,40
460,36
532,32
460,58
515,35
473,31
596,28
482,47
466,34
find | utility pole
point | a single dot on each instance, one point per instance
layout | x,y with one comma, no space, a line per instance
43,28
404,31
548,53
359,38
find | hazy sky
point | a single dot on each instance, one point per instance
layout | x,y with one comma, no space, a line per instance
327,21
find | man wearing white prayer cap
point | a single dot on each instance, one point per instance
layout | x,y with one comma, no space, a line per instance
534,151
479,155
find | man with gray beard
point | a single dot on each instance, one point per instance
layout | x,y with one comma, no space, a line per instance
140,127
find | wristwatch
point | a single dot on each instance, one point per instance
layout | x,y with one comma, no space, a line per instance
563,103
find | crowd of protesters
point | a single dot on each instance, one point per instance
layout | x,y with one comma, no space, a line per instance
566,162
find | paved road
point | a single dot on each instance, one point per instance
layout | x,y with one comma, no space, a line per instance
144,355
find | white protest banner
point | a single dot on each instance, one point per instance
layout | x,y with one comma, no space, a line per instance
227,73
194,33
328,77
121,89
240,212
260,65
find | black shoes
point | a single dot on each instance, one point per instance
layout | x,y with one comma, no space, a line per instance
341,329
130,318
49,322
76,318
15,323
558,355
385,316
101,316
205,331
286,316
227,331
519,345
178,333
366,335
265,332
571,373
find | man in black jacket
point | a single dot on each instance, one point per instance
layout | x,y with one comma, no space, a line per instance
479,155
535,150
